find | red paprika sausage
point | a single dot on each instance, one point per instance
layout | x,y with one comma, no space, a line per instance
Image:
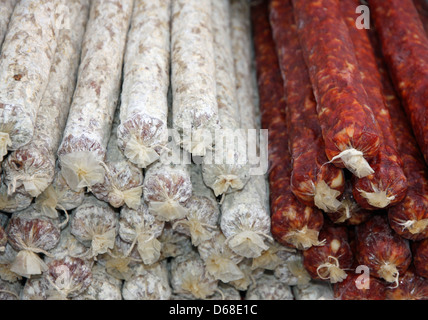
350,131
387,185
292,223
405,48
314,181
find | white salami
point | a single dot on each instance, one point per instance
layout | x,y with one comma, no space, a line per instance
5,13
140,228
232,173
143,132
25,63
203,211
95,224
166,189
30,169
123,181
195,111
245,219
91,113
14,202
268,287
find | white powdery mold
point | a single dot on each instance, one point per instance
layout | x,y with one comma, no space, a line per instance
313,290
7,257
233,173
195,110
28,52
58,196
268,287
203,211
271,258
31,168
245,219
291,270
95,224
68,278
68,246
87,131
148,283
10,290
166,188
174,243
250,275
31,235
143,131
141,229
14,202
7,9
225,292
35,288
103,286
220,261
123,181
188,276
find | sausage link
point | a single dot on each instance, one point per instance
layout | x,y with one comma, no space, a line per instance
350,131
387,186
313,180
405,48
7,7
293,224
409,218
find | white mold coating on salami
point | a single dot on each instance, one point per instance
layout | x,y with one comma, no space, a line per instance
233,173
189,277
95,224
220,261
143,131
203,211
166,188
123,180
31,168
141,229
97,92
7,7
103,286
10,291
14,202
193,73
27,54
268,287
148,283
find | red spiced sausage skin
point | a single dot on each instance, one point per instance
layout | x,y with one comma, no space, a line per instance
350,131
293,224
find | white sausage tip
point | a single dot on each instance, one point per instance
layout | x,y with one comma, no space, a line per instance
377,199
225,182
355,162
167,210
5,142
140,154
325,198
248,244
81,169
304,238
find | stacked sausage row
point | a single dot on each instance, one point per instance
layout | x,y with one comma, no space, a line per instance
347,177
108,109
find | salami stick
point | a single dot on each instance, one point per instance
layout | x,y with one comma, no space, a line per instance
350,131
31,168
409,218
7,7
387,186
143,132
312,181
195,111
27,55
233,173
422,7
293,224
123,180
405,48
97,90
245,219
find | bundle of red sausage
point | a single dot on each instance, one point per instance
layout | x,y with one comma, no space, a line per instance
343,93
